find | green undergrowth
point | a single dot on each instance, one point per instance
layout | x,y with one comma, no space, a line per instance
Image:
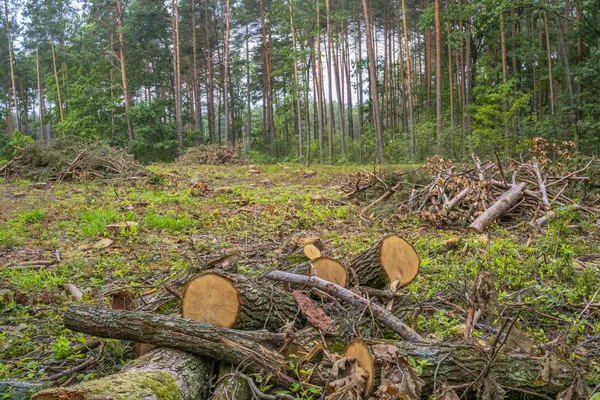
547,277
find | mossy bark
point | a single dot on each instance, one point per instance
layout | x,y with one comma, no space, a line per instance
230,387
366,269
162,374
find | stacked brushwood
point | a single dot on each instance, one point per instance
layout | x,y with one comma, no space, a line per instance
68,158
212,155
282,327
475,195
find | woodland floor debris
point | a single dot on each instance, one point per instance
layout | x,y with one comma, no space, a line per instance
474,195
68,158
538,326
212,155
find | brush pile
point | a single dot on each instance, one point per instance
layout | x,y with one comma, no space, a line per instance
69,158
475,195
313,329
212,155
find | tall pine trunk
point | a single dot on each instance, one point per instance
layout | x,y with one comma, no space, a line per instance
373,84
126,95
177,72
438,75
12,72
296,81
226,76
411,120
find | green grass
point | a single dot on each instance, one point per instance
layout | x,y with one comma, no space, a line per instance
94,221
169,221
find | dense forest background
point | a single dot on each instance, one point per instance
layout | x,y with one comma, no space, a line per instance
309,81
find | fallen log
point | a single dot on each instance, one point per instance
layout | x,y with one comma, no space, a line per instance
329,269
460,363
226,345
380,314
390,260
456,363
237,301
503,204
163,373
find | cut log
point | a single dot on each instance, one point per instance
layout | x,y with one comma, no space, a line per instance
160,374
359,350
227,300
311,251
379,313
330,270
502,205
226,345
389,260
229,386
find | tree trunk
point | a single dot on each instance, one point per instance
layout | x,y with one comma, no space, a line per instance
177,72
12,72
346,63
126,95
296,82
373,84
56,81
438,75
162,373
210,90
411,120
451,87
247,138
320,96
359,79
226,75
40,94
331,129
504,80
571,91
197,96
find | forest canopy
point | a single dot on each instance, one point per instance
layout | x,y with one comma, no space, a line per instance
309,81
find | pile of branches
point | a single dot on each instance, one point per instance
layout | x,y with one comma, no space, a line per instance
212,155
69,158
273,337
475,195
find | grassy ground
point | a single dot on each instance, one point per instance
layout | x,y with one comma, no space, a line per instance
548,276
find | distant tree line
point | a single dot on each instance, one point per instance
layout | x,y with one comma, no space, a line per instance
314,81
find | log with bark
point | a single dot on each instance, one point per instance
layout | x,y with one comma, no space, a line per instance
390,260
502,205
160,374
229,300
226,345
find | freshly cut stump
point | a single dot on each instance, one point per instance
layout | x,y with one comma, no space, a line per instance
392,259
329,269
311,251
237,301
360,350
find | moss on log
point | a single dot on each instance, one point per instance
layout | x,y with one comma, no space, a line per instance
162,374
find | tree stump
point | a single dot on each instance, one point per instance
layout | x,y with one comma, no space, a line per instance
390,260
237,301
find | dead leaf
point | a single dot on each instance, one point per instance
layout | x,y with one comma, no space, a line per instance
314,314
350,383
102,244
519,340
399,380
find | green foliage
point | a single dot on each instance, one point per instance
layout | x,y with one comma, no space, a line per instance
94,221
154,139
169,221
9,147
